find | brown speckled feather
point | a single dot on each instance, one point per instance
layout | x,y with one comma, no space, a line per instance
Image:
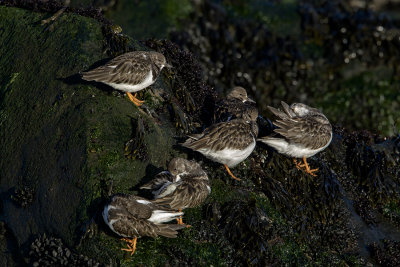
189,194
131,218
189,188
313,131
235,134
129,68
230,109
159,180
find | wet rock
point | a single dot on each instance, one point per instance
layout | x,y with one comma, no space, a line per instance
190,93
136,147
388,255
248,234
50,251
23,195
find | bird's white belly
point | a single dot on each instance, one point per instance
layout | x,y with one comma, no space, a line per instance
294,150
298,151
228,156
133,88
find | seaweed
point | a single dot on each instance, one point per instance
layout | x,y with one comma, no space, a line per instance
136,148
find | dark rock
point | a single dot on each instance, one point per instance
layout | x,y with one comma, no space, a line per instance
43,252
388,255
23,196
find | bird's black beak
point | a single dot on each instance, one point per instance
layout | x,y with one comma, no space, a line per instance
250,100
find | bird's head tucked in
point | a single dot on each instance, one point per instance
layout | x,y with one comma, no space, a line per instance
302,110
179,166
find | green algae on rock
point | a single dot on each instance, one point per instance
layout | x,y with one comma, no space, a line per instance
62,138
42,118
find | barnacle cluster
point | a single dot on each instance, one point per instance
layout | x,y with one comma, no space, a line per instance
50,251
23,195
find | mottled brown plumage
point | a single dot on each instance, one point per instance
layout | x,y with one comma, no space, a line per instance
185,185
129,68
132,216
312,130
228,143
303,131
235,134
233,106
129,72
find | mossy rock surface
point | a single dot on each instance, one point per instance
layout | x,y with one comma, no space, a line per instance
43,120
59,140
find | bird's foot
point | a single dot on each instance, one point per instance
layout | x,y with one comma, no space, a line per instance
131,243
311,172
299,166
135,101
180,220
230,173
305,167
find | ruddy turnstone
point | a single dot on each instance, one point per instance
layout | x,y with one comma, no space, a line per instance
131,217
233,106
129,72
184,185
303,132
228,143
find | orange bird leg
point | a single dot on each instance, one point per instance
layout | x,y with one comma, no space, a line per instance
298,164
180,220
307,167
131,243
230,173
133,98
